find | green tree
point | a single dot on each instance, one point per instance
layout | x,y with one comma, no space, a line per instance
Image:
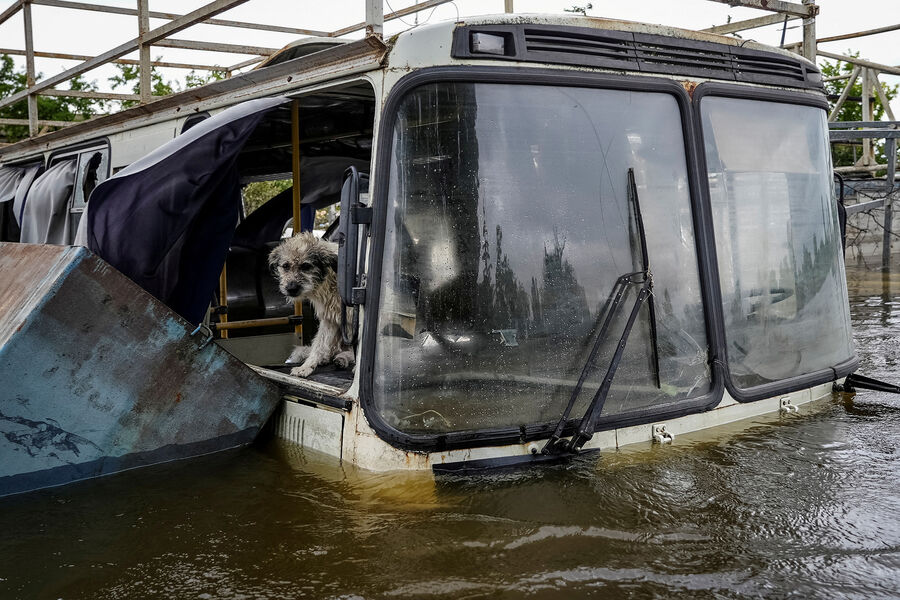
129,76
50,108
258,193
851,110
194,79
13,80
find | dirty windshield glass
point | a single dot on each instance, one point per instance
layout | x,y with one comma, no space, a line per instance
784,291
508,226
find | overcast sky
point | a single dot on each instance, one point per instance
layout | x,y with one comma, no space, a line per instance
86,32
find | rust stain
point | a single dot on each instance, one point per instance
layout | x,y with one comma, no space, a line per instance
21,325
689,87
178,397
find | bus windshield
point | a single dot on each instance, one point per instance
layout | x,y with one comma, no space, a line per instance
508,227
784,292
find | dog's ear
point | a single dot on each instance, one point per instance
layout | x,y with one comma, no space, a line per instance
273,260
323,258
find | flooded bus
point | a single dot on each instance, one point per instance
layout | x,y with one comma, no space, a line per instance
556,234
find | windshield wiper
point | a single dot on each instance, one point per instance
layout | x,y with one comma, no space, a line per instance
586,426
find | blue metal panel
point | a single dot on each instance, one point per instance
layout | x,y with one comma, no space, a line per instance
97,376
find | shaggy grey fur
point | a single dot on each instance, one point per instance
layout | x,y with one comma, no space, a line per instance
306,268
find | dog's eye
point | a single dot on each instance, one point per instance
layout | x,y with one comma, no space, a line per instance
286,266
306,266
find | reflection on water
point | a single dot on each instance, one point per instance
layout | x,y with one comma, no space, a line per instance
803,505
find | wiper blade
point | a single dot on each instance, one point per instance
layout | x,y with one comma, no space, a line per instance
586,426
635,203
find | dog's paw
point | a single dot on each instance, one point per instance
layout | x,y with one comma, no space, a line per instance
299,354
344,359
302,371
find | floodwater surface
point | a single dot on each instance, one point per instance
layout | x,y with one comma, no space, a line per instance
804,505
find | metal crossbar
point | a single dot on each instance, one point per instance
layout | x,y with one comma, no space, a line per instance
161,36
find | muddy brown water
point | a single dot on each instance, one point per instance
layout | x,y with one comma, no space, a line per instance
804,506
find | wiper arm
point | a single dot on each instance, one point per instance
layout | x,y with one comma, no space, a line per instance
587,424
610,309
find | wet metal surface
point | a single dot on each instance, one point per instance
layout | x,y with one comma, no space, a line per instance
98,376
804,505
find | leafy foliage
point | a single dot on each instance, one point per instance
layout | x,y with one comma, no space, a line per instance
129,76
194,79
50,108
259,192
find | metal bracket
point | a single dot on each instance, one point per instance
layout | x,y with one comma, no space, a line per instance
208,335
661,435
361,215
786,406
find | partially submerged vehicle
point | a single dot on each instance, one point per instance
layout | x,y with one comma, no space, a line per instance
558,234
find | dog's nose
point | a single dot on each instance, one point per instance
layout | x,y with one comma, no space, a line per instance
292,289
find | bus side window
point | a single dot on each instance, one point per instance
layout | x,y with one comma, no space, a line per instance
45,214
93,167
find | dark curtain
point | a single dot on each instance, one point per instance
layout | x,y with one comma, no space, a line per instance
167,220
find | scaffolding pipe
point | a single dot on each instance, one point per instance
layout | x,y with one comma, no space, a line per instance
867,157
807,9
374,18
118,61
844,94
29,70
890,151
883,97
859,34
749,24
862,63
9,12
146,69
115,10
202,13
809,32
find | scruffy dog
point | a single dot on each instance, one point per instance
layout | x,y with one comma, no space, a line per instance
306,268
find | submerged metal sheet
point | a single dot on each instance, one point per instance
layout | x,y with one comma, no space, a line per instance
98,376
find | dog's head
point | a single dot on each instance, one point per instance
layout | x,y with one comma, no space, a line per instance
302,263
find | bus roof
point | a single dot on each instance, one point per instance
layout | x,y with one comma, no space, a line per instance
311,61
